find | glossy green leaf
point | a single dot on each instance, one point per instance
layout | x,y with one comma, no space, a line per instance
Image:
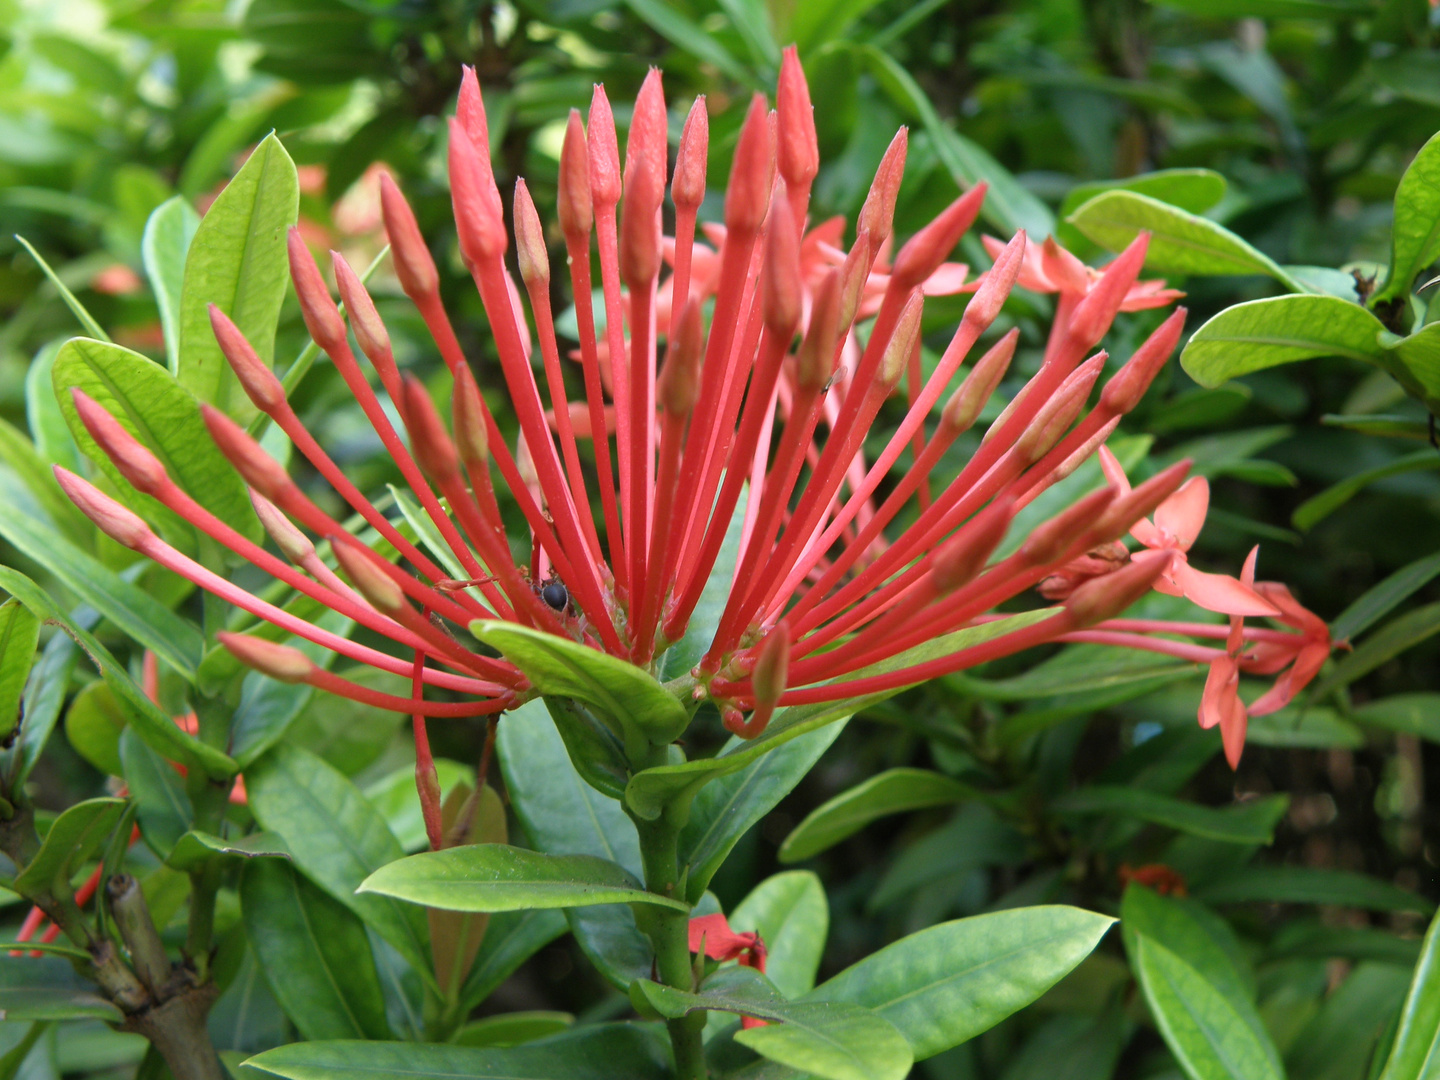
593,1052
498,877
1204,1031
168,233
671,24
1340,1040
34,472
195,848
832,1039
1180,242
86,320
1009,205
1318,507
72,838
628,699
725,810
1200,939
1389,641
166,812
93,724
891,792
42,411
1251,822
1263,334
1412,714
350,734
1415,234
163,415
1310,885
336,838
237,261
1275,9
1416,1053
563,815
19,636
1195,190
514,1028
1078,669
158,730
950,982
975,838
790,913
812,24
1377,602
315,954
47,988
1306,726
652,789
40,707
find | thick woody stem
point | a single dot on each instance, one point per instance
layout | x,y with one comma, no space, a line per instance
137,930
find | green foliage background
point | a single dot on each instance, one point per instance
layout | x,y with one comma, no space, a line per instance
1309,109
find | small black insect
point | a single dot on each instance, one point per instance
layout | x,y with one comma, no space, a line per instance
555,595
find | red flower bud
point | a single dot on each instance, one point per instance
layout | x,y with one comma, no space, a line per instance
964,555
815,362
413,264
878,213
679,386
1105,597
115,521
431,443
530,250
259,469
293,544
279,662
903,340
798,150
322,317
1097,311
477,216
255,377
1054,418
470,111
468,416
1128,385
371,582
573,196
926,250
782,283
604,151
748,196
1051,539
687,186
134,460
370,332
970,397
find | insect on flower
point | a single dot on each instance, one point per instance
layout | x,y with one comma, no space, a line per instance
631,488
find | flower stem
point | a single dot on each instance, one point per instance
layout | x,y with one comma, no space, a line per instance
668,931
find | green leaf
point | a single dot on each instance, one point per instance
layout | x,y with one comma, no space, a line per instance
948,983
315,955
47,988
1195,190
834,1040
1307,885
1009,205
164,416
1318,507
166,812
651,790
975,838
1263,334
498,877
1202,940
337,840
86,320
1339,1040
514,1028
1271,9
168,233
1250,822
42,412
891,792
73,837
665,20
593,1052
1389,641
1375,603
1415,235
40,707
630,702
1414,361
725,810
790,913
237,260
34,472
19,636
1209,1038
93,724
1412,714
158,730
563,815
1304,726
814,23
1078,669
1180,242
196,848
1416,1053
133,610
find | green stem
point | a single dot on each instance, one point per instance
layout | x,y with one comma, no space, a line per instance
669,933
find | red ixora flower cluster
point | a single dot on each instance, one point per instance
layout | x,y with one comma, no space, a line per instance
821,593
